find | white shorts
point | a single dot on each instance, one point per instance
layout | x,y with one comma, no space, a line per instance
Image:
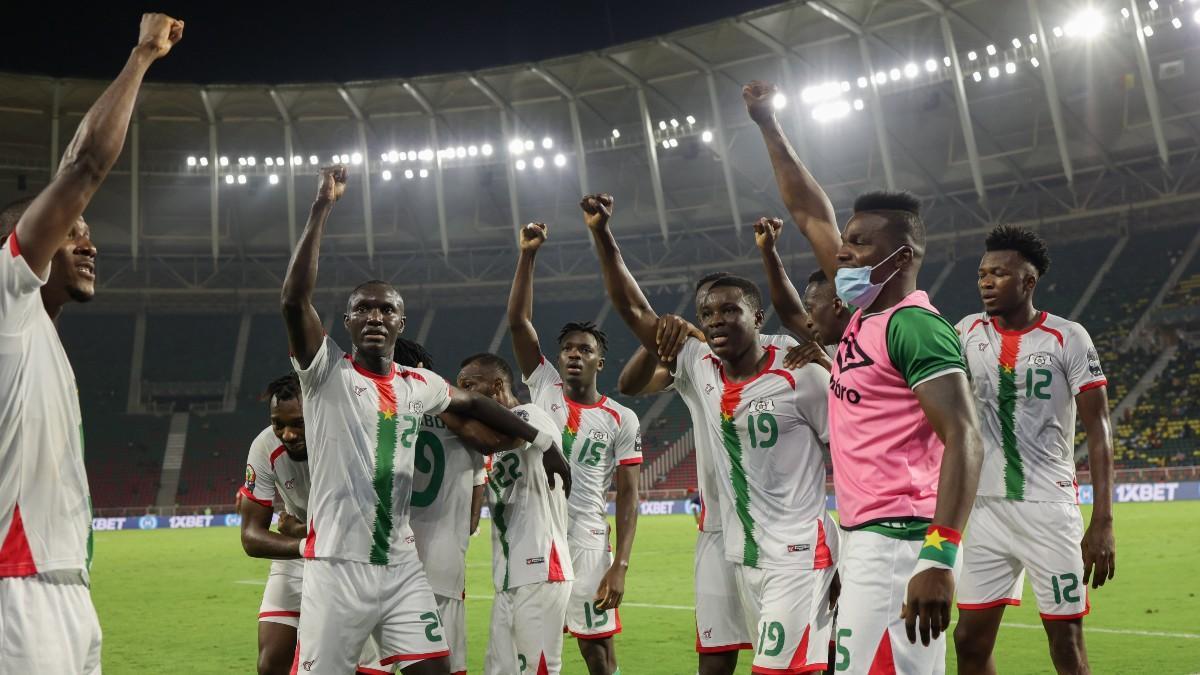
454,621
721,624
345,602
790,615
583,620
1006,538
875,570
281,597
527,629
48,625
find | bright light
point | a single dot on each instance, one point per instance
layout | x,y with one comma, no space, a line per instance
820,92
931,66
1058,31
910,70
881,77
972,56
560,160
674,142
408,173
515,146
425,155
297,160
616,133
1034,62
993,71
707,136
1086,24
486,149
1124,12
251,161
1196,16
690,120
1176,23
229,179
460,152
520,165
241,161
383,157
845,86
1010,67
862,83
991,50
312,159
223,161
548,142
355,159
779,101
424,173
858,104
528,144
662,125
472,151
894,73
387,174
976,76
336,159
1033,38
241,179
393,156
191,161
833,110
1148,31
346,159
269,162
674,123
666,145
279,161
273,179
203,161
1016,43
1153,5
946,61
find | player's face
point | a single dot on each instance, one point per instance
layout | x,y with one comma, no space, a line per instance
867,241
374,319
480,379
1006,280
823,318
287,421
73,268
729,322
579,358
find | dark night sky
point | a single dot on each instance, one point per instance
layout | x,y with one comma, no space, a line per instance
275,42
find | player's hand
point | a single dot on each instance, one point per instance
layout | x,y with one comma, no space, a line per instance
533,236
802,355
597,209
611,590
556,465
757,96
158,33
291,526
766,233
835,590
332,183
673,331
1099,554
929,597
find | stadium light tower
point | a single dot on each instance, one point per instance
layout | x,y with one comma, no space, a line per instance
1087,24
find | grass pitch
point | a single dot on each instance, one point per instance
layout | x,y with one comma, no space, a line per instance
187,601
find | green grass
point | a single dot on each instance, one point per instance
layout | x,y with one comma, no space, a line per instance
172,601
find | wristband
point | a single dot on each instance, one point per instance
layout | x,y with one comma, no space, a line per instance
940,548
303,545
543,441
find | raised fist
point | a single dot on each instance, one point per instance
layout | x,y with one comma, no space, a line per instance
159,33
533,236
766,232
597,209
757,96
333,183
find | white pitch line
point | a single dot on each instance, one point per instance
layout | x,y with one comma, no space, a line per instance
251,582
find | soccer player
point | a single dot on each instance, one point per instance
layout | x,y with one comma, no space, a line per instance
47,259
600,437
1031,371
531,560
766,428
903,433
277,466
362,576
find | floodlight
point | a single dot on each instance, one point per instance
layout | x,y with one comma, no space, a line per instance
1176,23
991,50
662,125
690,120
346,159
548,142
241,161
1196,16
910,70
393,156
191,160
858,104
1148,31
1153,5
707,136
516,147
674,123
229,179
616,133
336,159
383,157
862,83
560,160
831,111
426,155
538,162
1016,43
312,159
946,61
278,161
972,56
297,160
408,173
1033,38
269,161
894,73
1124,12
976,76
520,165
203,161
251,161
460,152
528,144
674,142
993,71
1010,67
355,159
1034,62
273,179
845,86
666,144
486,149
223,161
472,150
880,77
424,173
931,66
1058,31
241,179
387,174
1086,24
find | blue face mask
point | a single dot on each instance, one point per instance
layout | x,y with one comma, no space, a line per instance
854,285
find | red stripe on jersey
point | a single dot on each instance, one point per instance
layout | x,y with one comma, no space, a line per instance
1093,385
977,324
703,513
413,657
597,636
785,375
822,556
16,558
1056,334
631,461
242,491
296,659
13,246
364,670
275,455
883,663
556,571
279,613
366,373
988,605
310,542
543,669
720,649
799,663
414,375
1087,608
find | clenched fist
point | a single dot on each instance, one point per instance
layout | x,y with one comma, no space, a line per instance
757,96
332,183
766,232
533,236
159,33
597,209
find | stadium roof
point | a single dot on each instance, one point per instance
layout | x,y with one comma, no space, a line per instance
955,101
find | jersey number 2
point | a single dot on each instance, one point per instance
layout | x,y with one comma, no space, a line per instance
431,461
507,470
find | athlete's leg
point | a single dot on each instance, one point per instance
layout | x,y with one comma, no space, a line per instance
278,616
340,608
600,655
276,648
539,611
501,655
721,627
454,621
1051,552
1067,649
593,629
410,631
974,639
718,663
992,578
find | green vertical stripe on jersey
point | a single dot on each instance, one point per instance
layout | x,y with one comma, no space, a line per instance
730,398
385,460
1006,410
501,525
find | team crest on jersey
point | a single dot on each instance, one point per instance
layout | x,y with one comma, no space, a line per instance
761,406
251,478
850,355
1040,359
523,414
1093,360
416,407
600,436
358,391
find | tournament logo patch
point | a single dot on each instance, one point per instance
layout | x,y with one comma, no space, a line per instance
1093,360
637,441
251,478
850,355
1040,359
523,414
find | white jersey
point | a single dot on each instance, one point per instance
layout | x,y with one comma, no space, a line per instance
596,439
362,432
706,476
1025,384
271,473
771,430
445,474
45,506
529,520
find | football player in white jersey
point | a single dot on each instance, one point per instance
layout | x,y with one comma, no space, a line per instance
773,502
531,558
277,466
600,438
47,259
363,415
1031,371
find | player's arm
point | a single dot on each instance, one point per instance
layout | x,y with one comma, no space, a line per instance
94,149
258,541
526,348
623,290
805,200
478,492
291,526
648,372
612,586
304,329
478,436
1099,545
784,296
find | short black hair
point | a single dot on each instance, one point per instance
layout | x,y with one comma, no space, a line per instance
584,327
283,388
749,288
1027,244
409,354
709,278
11,214
818,277
492,361
902,210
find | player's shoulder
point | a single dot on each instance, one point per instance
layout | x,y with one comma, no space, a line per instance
970,323
1064,329
264,444
623,414
536,416
780,341
422,375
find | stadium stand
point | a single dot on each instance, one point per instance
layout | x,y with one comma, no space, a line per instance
100,348
214,459
123,455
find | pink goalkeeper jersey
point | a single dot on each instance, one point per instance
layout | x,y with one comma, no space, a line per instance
886,456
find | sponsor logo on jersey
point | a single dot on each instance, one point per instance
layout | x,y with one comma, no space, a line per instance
523,414
601,436
1064,483
850,355
308,665
410,540
289,484
554,407
1040,359
708,388
760,406
843,393
983,346
1093,360
599,533
534,561
359,391
797,548
251,478
416,407
708,634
